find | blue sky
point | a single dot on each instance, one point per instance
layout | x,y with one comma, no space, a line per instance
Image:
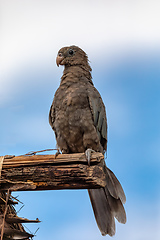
122,42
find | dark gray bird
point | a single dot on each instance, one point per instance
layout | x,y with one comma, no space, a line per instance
78,118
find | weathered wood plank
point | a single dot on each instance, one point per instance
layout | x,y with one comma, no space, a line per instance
16,219
45,172
44,159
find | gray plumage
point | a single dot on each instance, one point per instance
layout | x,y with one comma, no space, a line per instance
78,118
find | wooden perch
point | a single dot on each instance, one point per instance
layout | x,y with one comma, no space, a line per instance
16,234
10,224
45,172
16,219
10,202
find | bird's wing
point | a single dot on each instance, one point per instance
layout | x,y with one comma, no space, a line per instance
52,115
99,115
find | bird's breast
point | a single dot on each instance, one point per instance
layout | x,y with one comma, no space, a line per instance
73,97
72,108
76,99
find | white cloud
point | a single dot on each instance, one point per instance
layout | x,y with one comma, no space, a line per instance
33,31
37,29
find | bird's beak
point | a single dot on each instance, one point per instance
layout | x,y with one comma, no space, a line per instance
59,59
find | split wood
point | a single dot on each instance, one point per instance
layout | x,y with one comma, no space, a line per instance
45,172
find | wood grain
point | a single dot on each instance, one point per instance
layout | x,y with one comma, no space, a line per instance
45,172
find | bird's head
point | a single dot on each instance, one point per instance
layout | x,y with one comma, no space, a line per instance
72,56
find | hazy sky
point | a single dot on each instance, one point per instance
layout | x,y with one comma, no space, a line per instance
122,40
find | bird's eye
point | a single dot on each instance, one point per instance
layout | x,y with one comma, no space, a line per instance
70,52
60,54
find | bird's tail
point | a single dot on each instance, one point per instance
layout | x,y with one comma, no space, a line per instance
108,203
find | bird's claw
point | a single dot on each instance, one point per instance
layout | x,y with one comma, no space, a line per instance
57,153
88,153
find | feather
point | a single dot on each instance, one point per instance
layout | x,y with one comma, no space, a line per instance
115,187
102,211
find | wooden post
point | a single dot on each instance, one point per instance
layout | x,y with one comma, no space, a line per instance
4,214
45,172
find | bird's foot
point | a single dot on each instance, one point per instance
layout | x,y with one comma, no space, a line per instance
57,153
88,153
